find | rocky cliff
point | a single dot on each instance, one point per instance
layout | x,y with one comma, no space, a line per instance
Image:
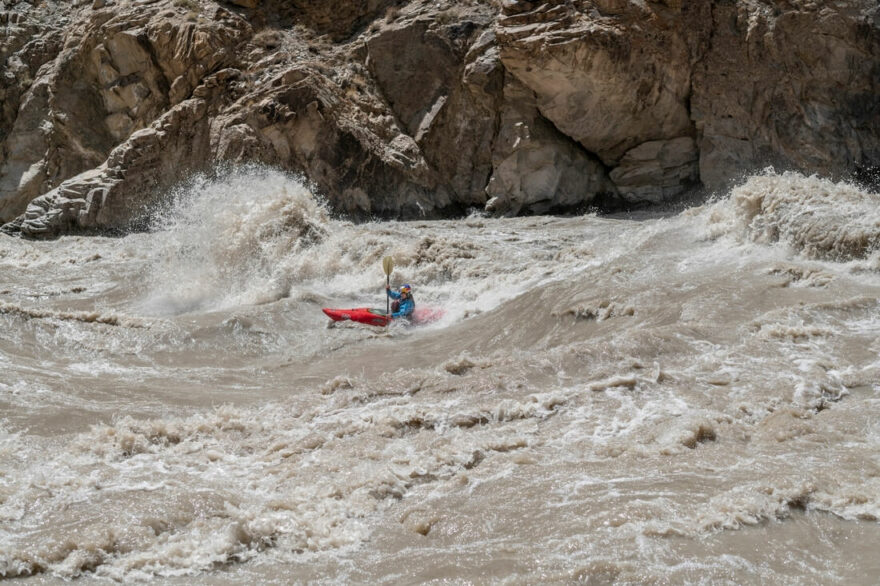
399,108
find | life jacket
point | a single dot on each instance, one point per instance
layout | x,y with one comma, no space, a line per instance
395,305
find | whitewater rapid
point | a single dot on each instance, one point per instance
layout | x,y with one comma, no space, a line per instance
685,397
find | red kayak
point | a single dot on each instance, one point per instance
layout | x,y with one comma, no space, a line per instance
378,317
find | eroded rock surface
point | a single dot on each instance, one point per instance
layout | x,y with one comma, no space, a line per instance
536,167
413,109
611,75
796,86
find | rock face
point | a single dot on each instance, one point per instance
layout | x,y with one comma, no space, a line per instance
412,109
796,88
656,170
600,78
749,83
114,75
536,167
26,44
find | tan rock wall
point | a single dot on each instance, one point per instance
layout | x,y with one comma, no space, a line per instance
413,109
795,86
112,77
610,81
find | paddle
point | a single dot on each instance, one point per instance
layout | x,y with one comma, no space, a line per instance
388,266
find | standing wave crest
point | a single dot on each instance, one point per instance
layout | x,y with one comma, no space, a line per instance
819,218
222,239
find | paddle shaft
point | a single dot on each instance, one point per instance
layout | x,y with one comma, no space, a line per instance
387,266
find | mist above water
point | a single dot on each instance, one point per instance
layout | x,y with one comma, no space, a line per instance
620,399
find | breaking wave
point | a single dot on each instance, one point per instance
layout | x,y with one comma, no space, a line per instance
817,217
223,240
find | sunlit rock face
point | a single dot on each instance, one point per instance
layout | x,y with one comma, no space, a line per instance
410,110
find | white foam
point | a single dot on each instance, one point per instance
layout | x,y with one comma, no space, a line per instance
816,217
221,241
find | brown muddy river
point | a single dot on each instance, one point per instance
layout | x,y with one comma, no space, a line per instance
691,397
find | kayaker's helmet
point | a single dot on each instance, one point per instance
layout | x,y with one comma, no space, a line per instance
406,289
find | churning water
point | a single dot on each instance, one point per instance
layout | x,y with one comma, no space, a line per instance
643,399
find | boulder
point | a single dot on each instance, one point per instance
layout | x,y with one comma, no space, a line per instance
657,170
610,80
536,168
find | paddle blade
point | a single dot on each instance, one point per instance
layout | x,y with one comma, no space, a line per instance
388,265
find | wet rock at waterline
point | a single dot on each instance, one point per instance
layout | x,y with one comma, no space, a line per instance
426,110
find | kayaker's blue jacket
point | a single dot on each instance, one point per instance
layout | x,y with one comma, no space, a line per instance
407,306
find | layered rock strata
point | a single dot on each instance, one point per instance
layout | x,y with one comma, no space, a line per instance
416,109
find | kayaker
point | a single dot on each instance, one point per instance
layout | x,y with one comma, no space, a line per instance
404,304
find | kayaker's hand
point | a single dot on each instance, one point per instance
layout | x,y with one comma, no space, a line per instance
387,288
